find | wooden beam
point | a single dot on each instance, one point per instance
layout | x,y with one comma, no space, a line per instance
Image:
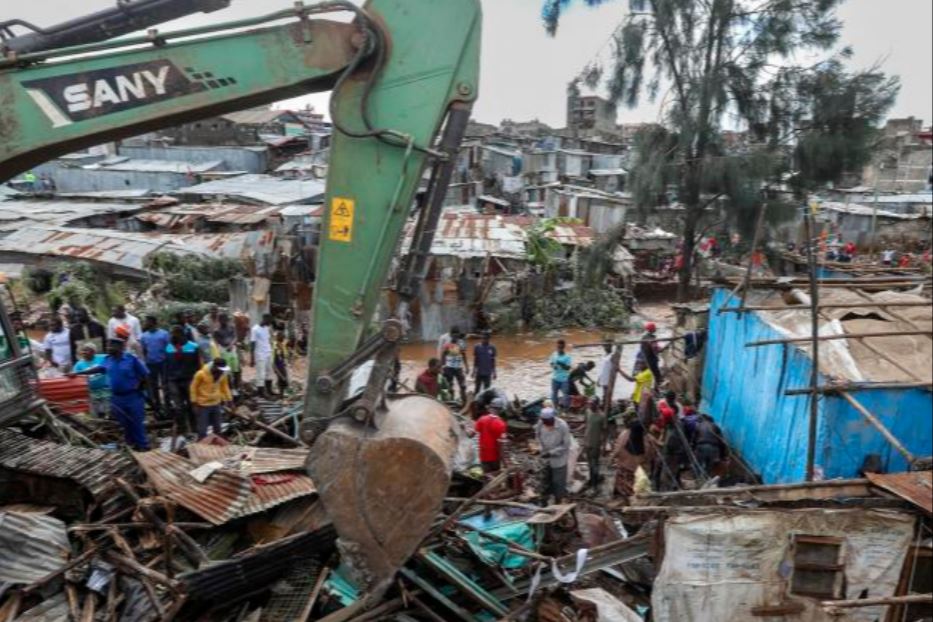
815,354
834,305
854,386
885,432
914,599
895,333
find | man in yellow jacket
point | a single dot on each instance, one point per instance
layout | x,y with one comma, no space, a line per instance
210,393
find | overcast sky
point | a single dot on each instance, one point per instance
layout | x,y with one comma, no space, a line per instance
525,72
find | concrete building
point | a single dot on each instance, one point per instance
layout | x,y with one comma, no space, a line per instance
246,127
589,114
904,159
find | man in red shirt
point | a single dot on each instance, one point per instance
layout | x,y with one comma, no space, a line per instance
428,383
490,428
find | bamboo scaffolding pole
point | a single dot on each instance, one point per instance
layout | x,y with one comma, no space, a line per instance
885,432
821,338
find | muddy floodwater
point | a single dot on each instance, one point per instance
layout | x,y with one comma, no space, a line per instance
523,359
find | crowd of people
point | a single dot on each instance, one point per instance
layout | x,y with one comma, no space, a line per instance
189,371
661,434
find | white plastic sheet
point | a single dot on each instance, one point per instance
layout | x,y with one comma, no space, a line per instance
720,567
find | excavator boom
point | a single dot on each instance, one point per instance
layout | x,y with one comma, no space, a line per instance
405,75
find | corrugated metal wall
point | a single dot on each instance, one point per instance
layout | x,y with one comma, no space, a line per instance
234,158
743,389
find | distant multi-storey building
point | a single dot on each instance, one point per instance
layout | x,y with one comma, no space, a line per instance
903,161
588,115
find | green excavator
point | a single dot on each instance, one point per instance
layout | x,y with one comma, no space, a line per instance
404,76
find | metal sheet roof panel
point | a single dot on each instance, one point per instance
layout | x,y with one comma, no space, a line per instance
218,500
32,545
94,469
915,487
254,459
261,188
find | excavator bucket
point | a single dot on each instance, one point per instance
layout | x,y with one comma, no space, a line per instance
383,487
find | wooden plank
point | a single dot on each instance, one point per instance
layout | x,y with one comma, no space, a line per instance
821,338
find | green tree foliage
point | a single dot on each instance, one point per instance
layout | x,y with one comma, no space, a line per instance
191,278
719,62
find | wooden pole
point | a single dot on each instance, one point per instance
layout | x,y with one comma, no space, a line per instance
885,432
914,599
268,429
878,386
759,231
818,338
815,354
835,305
187,545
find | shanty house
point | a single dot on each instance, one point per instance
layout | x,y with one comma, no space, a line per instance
796,554
875,400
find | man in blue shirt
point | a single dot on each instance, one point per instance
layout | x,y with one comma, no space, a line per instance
127,376
560,378
484,364
154,340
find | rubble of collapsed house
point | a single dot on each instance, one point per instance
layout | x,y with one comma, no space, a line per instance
233,530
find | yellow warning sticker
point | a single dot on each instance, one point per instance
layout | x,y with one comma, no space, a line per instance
341,219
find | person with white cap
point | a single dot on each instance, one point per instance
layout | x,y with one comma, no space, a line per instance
553,435
210,393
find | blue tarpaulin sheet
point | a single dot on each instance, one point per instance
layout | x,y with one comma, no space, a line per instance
743,390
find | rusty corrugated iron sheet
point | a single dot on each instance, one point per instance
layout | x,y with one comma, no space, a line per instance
915,487
271,490
226,494
218,500
94,469
32,545
69,395
254,459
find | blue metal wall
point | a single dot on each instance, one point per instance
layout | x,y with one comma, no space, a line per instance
743,389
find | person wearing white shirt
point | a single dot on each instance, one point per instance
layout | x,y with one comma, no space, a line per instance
605,372
122,317
57,345
261,354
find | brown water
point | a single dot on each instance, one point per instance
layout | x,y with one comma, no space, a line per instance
522,363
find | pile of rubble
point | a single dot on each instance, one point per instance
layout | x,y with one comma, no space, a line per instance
232,529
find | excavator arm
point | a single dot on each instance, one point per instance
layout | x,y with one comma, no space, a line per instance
405,75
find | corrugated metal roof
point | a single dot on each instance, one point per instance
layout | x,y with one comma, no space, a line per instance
255,459
464,234
94,469
225,495
31,546
234,579
153,166
15,214
915,487
261,189
213,212
862,210
258,117
128,251
607,172
218,500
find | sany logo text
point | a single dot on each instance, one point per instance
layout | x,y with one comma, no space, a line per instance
118,90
